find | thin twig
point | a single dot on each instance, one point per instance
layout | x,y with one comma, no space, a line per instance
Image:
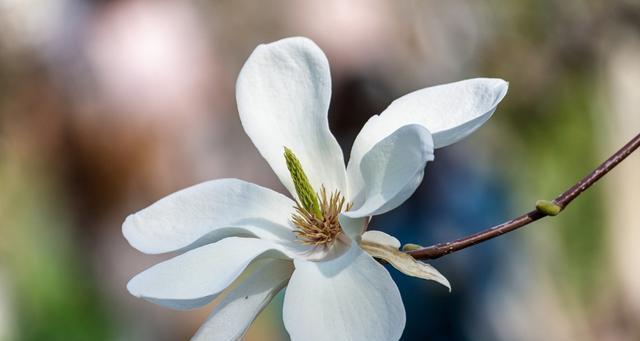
562,201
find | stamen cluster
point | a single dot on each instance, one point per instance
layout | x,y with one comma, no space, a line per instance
324,229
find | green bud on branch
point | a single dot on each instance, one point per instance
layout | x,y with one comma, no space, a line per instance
410,247
548,207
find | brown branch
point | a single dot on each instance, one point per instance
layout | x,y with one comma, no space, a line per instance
559,203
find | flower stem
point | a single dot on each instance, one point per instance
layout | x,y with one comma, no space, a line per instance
561,201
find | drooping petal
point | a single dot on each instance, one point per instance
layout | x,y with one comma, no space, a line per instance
383,246
381,238
195,277
232,317
390,171
349,298
283,94
208,212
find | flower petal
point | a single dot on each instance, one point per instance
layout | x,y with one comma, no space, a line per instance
195,277
208,212
449,111
383,246
379,237
232,317
390,172
353,227
283,94
321,253
350,298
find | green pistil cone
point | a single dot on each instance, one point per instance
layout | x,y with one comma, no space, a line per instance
306,194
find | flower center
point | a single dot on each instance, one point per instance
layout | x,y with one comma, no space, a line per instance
313,230
316,216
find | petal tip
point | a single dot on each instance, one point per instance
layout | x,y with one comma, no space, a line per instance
299,41
446,283
439,278
502,87
132,287
128,228
131,233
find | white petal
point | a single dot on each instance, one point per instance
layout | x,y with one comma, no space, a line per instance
194,278
322,253
449,111
349,298
381,238
383,246
353,227
232,317
208,212
283,94
390,172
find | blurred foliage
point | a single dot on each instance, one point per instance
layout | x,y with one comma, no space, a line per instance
550,111
559,144
55,297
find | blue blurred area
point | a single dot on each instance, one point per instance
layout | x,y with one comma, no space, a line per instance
460,200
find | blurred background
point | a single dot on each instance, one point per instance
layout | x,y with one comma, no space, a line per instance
107,106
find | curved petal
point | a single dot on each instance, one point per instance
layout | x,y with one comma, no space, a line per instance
283,94
390,172
232,317
350,298
208,212
196,277
449,111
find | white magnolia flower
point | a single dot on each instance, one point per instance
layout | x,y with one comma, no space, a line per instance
253,241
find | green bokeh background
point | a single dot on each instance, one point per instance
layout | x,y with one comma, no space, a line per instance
67,179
